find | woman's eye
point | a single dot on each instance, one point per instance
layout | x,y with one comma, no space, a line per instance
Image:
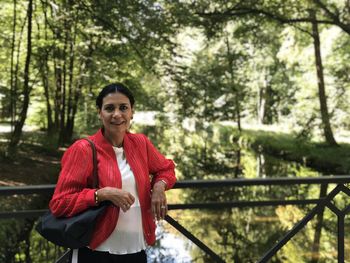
109,108
123,108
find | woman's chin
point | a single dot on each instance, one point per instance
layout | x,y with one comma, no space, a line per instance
118,128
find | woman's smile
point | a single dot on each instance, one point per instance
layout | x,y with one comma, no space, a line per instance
118,123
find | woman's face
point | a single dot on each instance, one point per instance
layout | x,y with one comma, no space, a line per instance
116,113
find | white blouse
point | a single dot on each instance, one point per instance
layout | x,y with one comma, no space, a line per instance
127,237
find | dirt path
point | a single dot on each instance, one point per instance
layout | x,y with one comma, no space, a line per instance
33,165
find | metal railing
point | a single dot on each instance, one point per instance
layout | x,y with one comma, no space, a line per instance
320,204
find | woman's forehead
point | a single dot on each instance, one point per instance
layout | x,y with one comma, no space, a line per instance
116,97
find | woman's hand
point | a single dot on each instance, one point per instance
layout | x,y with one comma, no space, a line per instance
158,200
117,196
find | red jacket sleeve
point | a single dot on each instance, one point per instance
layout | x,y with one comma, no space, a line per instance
71,194
160,167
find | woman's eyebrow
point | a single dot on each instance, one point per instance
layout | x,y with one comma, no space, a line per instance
112,104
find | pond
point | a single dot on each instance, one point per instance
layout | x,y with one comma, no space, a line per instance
235,234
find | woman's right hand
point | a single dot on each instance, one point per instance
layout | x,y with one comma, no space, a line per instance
117,196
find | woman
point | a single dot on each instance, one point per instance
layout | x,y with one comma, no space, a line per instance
125,161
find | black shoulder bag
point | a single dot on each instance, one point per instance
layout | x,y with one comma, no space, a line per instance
75,231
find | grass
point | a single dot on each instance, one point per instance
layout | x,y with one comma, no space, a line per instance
322,157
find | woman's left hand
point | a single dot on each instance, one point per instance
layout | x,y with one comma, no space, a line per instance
158,200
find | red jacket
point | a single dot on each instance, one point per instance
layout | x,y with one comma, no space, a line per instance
72,196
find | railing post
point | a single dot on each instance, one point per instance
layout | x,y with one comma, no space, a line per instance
341,237
300,225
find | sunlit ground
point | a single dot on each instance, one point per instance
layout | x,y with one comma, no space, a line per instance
7,128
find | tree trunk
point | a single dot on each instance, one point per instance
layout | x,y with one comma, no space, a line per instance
326,125
68,42
14,96
318,228
68,131
261,104
264,96
45,72
237,112
62,112
77,91
12,83
58,82
45,80
16,135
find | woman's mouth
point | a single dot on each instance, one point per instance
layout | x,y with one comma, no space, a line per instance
117,123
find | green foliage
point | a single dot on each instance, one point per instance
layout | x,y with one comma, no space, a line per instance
197,63
334,160
280,78
239,61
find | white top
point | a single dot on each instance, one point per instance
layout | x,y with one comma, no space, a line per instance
127,237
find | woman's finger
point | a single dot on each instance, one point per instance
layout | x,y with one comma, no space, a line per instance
124,200
163,210
156,210
125,206
132,198
159,208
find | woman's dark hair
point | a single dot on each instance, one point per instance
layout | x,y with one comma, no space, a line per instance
112,88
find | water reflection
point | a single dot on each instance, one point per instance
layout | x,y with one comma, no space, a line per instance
244,235
171,247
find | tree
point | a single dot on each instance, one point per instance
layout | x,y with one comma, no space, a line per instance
16,135
74,40
321,85
285,13
12,75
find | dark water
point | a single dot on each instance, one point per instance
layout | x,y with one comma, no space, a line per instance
236,235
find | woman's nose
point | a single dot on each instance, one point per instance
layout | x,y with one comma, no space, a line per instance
116,113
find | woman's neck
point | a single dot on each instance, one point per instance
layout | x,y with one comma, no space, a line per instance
115,139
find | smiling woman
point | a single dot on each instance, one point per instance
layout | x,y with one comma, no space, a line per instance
115,115
125,161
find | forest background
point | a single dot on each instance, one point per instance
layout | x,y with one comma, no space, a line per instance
273,74
274,62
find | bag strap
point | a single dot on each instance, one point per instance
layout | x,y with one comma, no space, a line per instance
94,161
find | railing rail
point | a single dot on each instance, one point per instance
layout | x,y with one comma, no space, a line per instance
340,180
335,179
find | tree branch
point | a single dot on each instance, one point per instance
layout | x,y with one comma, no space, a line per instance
243,11
251,11
335,17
